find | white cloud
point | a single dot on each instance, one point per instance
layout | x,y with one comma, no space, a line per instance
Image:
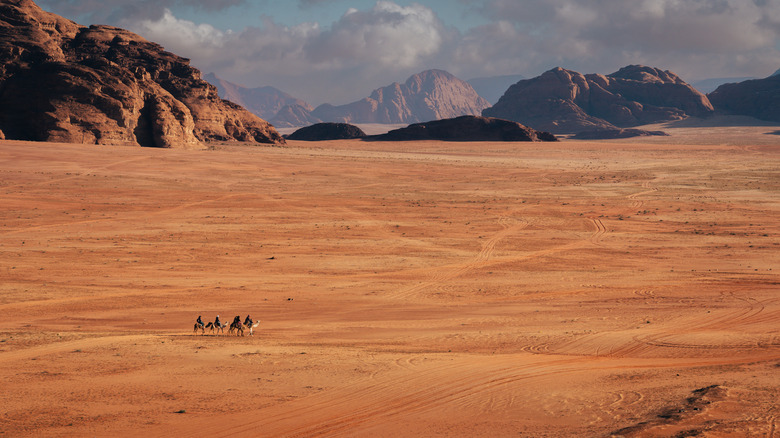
361,51
181,35
368,48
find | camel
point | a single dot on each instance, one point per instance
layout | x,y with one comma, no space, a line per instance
199,326
216,327
236,326
248,323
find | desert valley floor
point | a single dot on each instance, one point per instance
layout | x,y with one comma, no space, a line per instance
627,288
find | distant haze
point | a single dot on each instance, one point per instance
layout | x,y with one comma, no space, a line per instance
337,51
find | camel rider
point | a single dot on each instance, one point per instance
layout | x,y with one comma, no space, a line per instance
237,320
200,321
216,322
248,321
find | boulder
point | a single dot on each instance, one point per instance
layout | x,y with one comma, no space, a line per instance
106,85
564,101
466,128
327,131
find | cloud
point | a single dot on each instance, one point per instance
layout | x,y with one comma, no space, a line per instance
361,51
389,35
692,37
117,11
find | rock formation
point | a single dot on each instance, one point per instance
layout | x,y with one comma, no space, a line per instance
60,81
264,102
608,134
430,95
564,101
327,131
466,128
759,98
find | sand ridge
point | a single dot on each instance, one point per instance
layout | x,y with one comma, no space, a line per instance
420,288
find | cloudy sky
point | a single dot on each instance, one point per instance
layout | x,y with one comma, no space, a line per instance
338,51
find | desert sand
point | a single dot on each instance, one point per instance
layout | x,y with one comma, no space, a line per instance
598,288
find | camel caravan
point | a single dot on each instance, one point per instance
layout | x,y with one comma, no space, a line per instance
218,326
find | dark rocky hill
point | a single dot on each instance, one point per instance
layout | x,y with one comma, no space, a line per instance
430,95
60,81
564,101
759,98
466,128
327,131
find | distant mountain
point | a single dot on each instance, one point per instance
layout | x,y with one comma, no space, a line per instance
430,95
777,73
263,101
709,85
759,98
63,82
493,87
294,115
564,101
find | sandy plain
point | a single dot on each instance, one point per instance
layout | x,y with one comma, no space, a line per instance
625,288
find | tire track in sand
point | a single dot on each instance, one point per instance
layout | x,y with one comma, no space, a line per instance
448,272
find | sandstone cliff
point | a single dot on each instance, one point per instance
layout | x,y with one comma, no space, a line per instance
759,98
565,101
60,81
430,95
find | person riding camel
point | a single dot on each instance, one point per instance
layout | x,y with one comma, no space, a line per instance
200,321
248,321
216,321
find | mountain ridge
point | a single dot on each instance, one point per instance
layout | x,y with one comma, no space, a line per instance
428,95
565,101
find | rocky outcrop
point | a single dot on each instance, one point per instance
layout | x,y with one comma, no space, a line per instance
327,131
60,81
264,102
294,115
430,95
565,101
466,128
609,134
759,98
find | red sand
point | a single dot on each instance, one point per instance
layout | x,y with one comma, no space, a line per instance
403,289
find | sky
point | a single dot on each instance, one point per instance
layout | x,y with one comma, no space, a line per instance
338,51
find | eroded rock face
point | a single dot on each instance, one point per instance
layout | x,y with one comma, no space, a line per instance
759,98
60,81
430,95
564,101
327,131
466,128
